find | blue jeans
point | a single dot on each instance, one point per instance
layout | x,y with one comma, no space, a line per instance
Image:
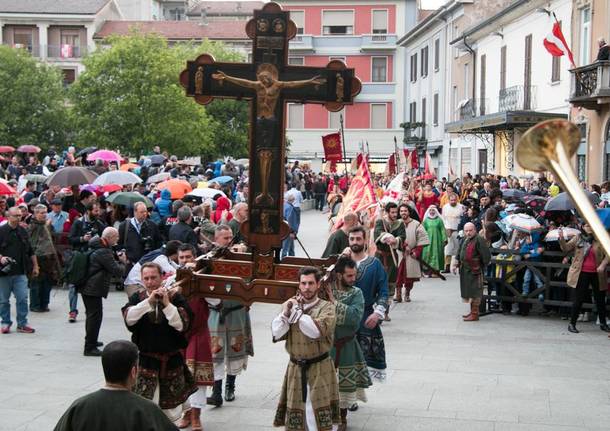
288,247
73,298
18,286
527,279
40,293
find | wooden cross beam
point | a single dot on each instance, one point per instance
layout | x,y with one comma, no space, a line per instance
268,82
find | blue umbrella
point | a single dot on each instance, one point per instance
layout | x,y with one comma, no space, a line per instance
221,180
604,216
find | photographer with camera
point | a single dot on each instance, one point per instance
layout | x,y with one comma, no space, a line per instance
83,229
138,235
102,267
17,260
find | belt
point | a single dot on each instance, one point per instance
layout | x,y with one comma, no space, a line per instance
163,358
339,343
304,364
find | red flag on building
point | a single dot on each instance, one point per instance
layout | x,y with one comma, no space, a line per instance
414,160
556,44
360,196
390,168
332,147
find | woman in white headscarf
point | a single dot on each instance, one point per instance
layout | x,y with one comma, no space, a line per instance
433,254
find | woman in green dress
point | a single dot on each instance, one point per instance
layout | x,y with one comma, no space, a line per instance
433,253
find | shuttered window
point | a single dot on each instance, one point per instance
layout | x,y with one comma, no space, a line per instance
380,21
503,68
298,16
435,110
423,116
295,116
424,62
412,112
527,74
437,54
482,88
414,68
556,67
378,116
379,69
338,22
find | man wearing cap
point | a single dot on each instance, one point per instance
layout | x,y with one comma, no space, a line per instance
57,216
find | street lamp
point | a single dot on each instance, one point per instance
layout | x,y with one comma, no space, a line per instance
415,136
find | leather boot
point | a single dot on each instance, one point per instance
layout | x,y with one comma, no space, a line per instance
398,294
230,388
196,419
216,398
474,313
343,425
185,419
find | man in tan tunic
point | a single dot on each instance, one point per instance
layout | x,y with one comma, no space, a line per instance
310,394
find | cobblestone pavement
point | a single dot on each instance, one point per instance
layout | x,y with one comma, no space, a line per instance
504,373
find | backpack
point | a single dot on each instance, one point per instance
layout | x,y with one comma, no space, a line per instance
77,268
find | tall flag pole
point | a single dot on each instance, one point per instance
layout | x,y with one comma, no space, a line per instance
343,139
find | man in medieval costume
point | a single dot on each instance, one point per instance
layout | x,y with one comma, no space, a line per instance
158,320
473,257
349,361
409,270
231,335
338,241
452,213
433,253
389,236
372,280
309,399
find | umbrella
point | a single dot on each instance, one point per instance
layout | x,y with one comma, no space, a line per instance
105,155
5,189
37,178
513,194
28,149
158,178
178,188
604,216
568,232
563,202
128,166
156,159
117,177
522,222
222,180
128,199
6,149
535,202
70,176
111,188
187,162
206,193
85,151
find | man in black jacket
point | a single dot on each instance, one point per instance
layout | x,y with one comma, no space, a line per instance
138,235
182,231
86,227
102,267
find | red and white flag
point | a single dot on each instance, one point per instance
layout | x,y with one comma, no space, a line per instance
556,44
66,51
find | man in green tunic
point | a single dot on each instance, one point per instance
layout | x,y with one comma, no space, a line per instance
309,399
473,257
339,241
351,366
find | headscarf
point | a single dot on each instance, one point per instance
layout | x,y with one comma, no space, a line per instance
428,213
222,204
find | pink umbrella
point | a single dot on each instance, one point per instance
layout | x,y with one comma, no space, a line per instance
28,149
105,155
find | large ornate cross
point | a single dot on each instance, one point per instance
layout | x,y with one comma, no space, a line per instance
268,83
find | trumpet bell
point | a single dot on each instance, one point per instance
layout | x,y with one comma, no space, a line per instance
539,144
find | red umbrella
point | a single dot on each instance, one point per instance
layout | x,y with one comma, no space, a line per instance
6,149
111,188
5,189
28,149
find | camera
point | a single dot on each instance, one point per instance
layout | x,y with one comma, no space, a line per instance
6,268
197,219
148,243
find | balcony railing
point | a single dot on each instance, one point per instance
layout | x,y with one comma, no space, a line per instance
590,85
517,98
473,108
66,51
378,41
32,49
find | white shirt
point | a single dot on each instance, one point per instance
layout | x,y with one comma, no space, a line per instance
452,215
280,325
167,265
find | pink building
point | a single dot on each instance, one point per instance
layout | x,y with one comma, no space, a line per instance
363,34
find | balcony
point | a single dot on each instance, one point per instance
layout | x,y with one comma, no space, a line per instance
517,98
378,42
472,108
32,49
590,85
66,52
302,43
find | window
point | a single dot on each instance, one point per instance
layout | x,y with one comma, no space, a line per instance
337,22
334,121
414,68
437,54
466,158
378,116
454,161
295,116
298,17
585,35
423,117
296,61
379,69
424,62
435,109
556,67
527,74
482,89
22,38
466,81
380,21
69,76
503,68
412,112
454,101
69,43
581,153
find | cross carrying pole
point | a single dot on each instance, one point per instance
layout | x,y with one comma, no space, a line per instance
268,82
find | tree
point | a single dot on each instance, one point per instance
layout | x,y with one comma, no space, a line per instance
129,98
32,109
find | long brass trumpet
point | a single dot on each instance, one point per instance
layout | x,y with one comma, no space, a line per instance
549,146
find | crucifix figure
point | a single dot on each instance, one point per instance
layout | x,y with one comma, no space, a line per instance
268,83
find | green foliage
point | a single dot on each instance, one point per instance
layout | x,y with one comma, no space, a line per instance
31,94
129,98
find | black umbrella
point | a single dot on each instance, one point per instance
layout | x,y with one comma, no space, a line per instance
86,151
563,202
71,176
513,194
